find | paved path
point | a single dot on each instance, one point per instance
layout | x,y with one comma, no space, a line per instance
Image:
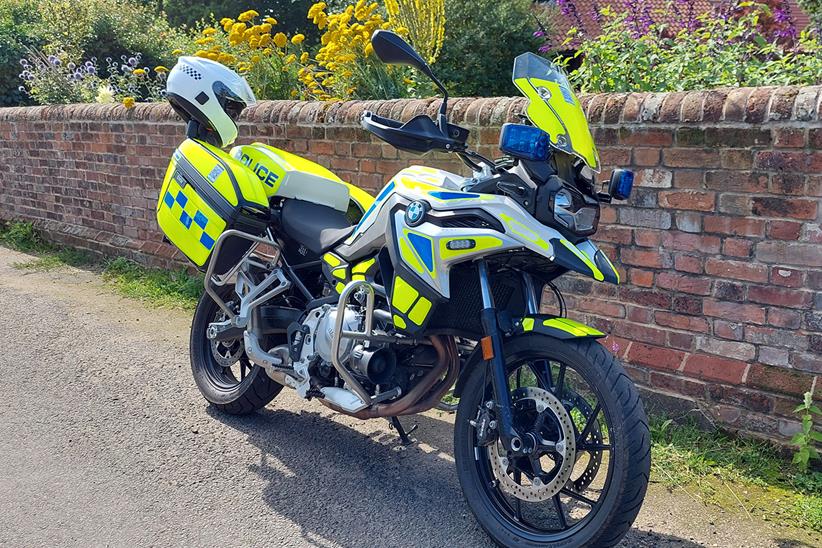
104,440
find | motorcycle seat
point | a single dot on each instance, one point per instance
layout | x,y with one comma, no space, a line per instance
316,226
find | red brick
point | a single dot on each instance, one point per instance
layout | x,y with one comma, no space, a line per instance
690,157
794,208
789,253
736,226
736,181
789,137
684,284
615,235
800,162
683,241
780,296
777,379
642,278
687,304
647,238
730,349
680,341
678,321
736,270
639,315
714,368
687,199
736,247
644,157
729,330
655,356
688,178
784,230
688,263
646,297
740,312
787,277
781,317
639,257
677,384
788,183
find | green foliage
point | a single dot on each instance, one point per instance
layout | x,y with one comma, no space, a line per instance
814,9
22,237
160,287
481,40
719,468
807,438
720,52
17,32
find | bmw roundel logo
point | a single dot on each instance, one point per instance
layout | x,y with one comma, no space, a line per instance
415,213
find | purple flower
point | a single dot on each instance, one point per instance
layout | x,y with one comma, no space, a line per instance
132,61
90,69
539,34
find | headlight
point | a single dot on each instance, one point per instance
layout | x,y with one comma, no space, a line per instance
572,210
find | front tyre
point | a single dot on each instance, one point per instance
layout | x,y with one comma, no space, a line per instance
586,483
222,371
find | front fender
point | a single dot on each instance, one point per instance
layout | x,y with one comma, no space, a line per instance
560,328
541,324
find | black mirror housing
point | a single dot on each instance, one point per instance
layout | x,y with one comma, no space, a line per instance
393,50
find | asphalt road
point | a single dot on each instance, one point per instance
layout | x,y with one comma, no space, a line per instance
105,441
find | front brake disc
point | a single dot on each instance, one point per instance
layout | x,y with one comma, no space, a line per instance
535,490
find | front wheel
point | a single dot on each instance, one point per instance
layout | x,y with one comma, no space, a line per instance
586,482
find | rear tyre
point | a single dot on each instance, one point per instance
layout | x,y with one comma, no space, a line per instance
560,390
223,373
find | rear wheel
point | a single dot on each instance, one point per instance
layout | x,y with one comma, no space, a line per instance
222,371
585,483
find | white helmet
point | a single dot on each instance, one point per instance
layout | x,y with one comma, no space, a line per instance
211,94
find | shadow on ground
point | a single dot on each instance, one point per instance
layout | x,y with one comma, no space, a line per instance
310,461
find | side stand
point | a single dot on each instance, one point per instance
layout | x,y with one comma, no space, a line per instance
405,439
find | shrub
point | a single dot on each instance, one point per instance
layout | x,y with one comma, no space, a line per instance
257,49
59,78
345,66
17,32
425,21
814,10
482,40
721,50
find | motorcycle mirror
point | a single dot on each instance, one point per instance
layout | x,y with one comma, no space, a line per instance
391,49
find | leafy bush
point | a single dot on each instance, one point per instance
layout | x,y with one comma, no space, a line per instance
814,10
345,66
482,39
17,32
58,79
425,22
720,50
257,49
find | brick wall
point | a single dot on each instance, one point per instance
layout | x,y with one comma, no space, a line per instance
719,246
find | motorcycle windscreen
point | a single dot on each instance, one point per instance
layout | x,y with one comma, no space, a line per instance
554,108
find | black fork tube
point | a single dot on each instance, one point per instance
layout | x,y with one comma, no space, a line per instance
510,439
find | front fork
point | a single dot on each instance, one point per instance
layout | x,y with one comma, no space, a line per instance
493,352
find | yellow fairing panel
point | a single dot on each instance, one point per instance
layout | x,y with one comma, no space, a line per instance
187,220
214,164
553,107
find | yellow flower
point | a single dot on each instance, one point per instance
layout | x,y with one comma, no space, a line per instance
238,28
177,52
226,58
280,40
208,31
226,21
160,68
265,27
408,81
304,57
139,72
265,39
213,56
294,93
369,49
267,51
297,39
270,20
290,59
255,58
128,102
201,53
247,15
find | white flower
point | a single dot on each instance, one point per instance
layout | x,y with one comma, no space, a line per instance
105,94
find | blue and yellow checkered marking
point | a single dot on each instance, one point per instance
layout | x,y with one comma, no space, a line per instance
188,221
189,217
